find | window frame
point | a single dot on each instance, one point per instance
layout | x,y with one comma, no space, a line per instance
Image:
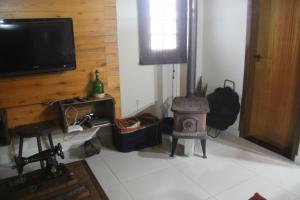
164,56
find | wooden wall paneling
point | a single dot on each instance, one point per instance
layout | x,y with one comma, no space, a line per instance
95,35
30,114
110,27
52,5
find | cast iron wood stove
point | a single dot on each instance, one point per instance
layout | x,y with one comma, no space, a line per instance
190,120
190,111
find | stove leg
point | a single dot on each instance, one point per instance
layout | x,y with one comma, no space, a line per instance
203,145
174,144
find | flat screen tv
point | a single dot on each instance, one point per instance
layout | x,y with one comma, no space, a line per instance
31,46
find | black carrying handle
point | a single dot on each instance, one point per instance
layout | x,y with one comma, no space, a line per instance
230,81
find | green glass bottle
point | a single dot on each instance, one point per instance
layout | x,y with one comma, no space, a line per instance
98,86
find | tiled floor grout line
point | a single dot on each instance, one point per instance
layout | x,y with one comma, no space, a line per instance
122,182
233,186
231,160
169,165
255,174
130,195
108,169
238,145
146,174
280,186
274,159
194,181
155,171
255,149
214,195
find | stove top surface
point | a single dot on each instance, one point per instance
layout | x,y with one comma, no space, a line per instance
190,105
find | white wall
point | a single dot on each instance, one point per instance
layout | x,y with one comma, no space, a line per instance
199,69
137,82
200,37
221,53
224,43
142,87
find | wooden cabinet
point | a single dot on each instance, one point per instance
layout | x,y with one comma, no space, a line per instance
75,109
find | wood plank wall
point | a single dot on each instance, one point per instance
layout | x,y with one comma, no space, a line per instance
95,29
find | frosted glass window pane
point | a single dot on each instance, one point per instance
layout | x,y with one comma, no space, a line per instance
163,24
169,12
155,2
169,27
172,2
156,27
156,12
169,42
156,42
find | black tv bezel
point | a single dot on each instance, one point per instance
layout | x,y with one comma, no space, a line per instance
37,72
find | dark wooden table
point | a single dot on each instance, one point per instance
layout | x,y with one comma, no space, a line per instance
59,188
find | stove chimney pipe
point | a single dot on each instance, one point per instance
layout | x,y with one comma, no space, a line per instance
192,47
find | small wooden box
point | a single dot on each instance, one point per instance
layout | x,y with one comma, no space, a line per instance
104,107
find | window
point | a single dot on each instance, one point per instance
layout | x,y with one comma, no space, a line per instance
162,31
163,24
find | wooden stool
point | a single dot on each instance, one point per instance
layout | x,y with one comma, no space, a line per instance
35,130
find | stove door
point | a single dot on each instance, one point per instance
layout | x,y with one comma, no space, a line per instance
189,125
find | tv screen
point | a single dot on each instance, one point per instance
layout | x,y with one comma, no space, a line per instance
29,46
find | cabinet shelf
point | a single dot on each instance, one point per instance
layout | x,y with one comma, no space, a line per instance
72,110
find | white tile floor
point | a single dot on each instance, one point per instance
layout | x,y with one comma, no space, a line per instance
235,170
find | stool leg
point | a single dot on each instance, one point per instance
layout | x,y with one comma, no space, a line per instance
174,144
20,147
40,149
203,145
50,141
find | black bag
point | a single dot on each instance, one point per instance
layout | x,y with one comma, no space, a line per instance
224,107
